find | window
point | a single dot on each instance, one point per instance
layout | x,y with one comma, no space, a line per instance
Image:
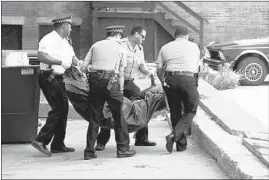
11,37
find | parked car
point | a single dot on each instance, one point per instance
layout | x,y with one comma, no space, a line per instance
250,57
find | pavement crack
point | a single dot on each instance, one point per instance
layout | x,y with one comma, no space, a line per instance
143,166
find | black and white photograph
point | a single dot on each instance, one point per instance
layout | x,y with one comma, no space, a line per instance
134,89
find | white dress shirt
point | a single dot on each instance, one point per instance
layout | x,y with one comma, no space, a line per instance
57,47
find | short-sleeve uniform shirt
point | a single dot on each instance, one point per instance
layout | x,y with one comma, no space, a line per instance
57,47
106,55
180,55
135,58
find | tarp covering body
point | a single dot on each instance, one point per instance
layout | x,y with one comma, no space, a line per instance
137,113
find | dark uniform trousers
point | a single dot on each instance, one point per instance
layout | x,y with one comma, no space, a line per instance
132,92
55,127
183,99
98,94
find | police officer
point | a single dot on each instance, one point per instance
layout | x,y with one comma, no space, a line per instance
56,55
135,63
179,60
107,59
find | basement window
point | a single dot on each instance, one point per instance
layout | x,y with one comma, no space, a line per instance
11,37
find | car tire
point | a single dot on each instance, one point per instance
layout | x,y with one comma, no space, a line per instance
253,69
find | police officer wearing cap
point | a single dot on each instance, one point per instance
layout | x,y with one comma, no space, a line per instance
105,61
55,55
179,60
135,63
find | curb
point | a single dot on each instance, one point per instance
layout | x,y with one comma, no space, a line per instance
235,160
234,120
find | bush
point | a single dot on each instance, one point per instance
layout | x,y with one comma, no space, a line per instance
223,79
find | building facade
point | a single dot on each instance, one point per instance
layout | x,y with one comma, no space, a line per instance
25,23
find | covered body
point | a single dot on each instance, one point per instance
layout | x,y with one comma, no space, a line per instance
137,113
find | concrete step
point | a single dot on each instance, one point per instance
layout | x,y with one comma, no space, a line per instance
232,157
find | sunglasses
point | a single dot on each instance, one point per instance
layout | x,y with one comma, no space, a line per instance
143,37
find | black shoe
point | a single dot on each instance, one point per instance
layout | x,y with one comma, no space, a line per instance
62,150
169,142
41,147
145,143
181,147
125,154
89,157
99,147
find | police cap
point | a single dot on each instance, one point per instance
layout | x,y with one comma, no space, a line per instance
116,28
181,31
67,19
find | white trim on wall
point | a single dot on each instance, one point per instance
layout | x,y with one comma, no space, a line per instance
13,20
48,20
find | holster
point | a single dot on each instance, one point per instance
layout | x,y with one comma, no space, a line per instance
51,76
112,80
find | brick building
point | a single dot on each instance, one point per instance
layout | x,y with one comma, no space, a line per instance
32,20
24,23
233,20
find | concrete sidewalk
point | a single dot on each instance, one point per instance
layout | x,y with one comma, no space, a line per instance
216,135
23,161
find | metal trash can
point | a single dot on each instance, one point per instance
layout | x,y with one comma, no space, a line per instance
20,103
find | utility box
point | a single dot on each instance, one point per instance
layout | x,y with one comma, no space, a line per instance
20,103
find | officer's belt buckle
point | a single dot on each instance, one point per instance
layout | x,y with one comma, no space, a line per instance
183,73
177,72
101,74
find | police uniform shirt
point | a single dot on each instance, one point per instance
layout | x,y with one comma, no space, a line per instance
135,58
180,55
106,54
57,47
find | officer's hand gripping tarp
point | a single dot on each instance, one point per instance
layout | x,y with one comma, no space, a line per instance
136,113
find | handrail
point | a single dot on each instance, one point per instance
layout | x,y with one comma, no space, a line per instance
194,14
151,6
190,11
145,5
178,17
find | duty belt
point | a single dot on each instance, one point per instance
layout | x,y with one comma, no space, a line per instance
177,73
101,74
51,75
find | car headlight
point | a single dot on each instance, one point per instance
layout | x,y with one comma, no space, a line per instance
221,55
206,53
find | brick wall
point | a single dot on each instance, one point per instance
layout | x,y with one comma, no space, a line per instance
230,20
34,11
227,20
